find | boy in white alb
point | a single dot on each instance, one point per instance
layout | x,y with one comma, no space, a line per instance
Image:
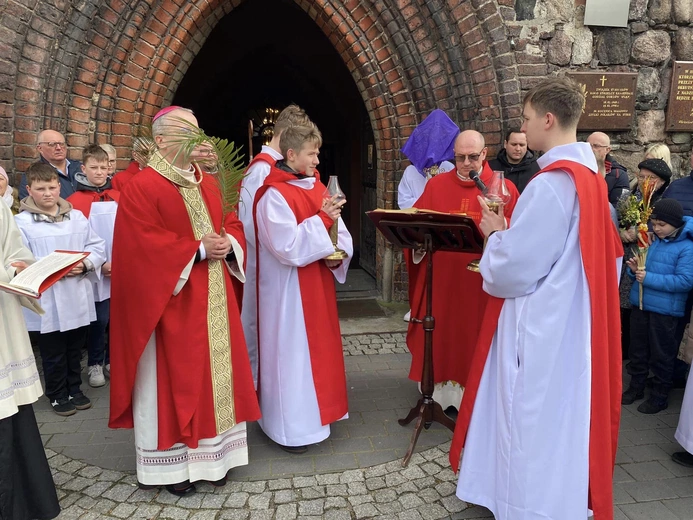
98,201
49,223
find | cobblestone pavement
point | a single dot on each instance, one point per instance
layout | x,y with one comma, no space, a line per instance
343,478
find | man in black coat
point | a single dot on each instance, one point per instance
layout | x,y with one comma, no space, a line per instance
518,163
615,175
53,150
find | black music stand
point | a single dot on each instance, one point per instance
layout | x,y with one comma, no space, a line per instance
429,231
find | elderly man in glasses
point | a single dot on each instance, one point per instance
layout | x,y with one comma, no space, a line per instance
458,299
53,150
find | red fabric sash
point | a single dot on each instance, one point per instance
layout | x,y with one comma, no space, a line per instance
599,251
264,157
318,298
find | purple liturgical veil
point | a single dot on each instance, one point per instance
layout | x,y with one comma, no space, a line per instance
432,141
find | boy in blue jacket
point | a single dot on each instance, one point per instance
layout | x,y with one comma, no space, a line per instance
666,281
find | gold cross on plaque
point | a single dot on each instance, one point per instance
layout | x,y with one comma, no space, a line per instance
603,80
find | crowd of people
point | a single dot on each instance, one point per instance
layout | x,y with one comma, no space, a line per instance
205,318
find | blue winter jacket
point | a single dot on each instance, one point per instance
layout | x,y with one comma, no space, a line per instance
669,277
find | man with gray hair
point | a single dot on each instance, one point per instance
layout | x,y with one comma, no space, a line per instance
615,175
52,149
180,371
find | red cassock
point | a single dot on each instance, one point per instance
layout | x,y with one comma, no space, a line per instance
82,200
120,179
458,299
153,242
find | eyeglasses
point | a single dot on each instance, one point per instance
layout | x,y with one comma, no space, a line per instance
111,161
473,157
54,144
597,146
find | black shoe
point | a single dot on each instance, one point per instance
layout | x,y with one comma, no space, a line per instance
146,487
182,489
652,405
294,450
218,483
63,407
684,458
80,401
631,395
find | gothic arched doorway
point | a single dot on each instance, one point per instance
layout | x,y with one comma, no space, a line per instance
270,54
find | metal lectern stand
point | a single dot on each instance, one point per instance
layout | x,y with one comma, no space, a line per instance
431,232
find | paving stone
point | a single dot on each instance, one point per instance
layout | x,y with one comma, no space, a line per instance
211,501
357,488
301,482
336,503
453,504
284,496
193,501
351,476
385,495
311,507
648,511
681,507
410,501
409,515
234,514
253,487
433,512
647,471
651,490
375,483
337,490
365,511
237,500
337,515
124,510
313,492
204,515
259,502
429,495
261,515
330,478
360,499
280,483
147,511
390,508
286,512
446,488
174,513
120,492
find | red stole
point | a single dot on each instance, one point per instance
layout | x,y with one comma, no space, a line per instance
318,298
600,249
82,200
458,298
264,157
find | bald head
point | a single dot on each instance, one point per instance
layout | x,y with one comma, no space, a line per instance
170,131
601,146
51,145
470,152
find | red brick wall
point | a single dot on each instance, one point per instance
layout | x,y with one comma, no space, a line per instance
98,68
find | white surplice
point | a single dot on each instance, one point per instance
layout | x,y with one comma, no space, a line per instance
19,379
102,219
684,430
412,184
213,457
288,401
526,454
69,304
254,178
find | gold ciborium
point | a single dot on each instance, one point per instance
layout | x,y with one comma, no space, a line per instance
335,193
496,195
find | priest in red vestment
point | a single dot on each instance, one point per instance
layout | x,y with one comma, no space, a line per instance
180,372
458,300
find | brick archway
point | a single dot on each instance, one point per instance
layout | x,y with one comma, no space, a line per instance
406,58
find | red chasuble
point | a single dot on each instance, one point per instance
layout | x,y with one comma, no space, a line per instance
458,300
318,298
82,200
122,178
599,251
153,242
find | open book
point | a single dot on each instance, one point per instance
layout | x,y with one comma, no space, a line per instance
38,277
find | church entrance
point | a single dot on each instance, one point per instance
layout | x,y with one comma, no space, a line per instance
265,55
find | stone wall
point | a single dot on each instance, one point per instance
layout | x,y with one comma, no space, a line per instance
549,36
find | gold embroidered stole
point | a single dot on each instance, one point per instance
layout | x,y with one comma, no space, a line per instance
217,312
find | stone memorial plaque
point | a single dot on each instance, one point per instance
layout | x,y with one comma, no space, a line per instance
610,100
611,13
680,110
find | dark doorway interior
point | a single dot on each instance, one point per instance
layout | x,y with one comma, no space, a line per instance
268,54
